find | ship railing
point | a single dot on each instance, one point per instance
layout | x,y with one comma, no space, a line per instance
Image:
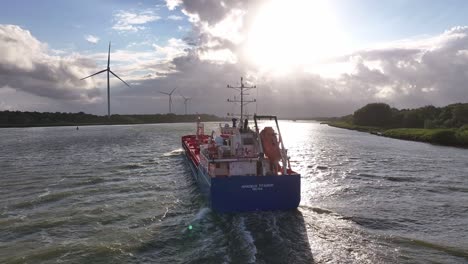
229,158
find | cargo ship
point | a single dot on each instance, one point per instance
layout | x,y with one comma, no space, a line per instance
241,168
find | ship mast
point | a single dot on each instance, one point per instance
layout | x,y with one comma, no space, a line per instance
242,88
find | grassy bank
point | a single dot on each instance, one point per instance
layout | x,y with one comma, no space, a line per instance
440,136
346,125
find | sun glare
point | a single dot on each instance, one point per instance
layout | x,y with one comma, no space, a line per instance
292,33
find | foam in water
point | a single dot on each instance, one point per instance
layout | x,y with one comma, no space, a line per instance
47,192
175,152
248,240
201,214
165,213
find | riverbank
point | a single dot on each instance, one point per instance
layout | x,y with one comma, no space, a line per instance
36,119
97,124
439,136
78,124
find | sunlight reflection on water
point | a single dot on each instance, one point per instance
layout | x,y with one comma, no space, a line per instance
124,194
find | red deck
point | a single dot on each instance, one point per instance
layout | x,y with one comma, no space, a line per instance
192,146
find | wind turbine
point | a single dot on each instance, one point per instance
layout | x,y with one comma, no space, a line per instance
170,99
108,70
186,99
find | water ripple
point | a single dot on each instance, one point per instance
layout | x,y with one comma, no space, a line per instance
123,194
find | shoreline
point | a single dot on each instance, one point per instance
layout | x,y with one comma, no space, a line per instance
9,119
450,137
89,124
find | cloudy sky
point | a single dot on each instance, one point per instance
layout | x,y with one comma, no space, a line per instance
306,57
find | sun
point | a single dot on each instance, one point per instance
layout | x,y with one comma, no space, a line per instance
285,34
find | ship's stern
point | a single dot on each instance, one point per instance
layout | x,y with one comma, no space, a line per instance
255,193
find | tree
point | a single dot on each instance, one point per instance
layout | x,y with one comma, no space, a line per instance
375,114
460,115
413,119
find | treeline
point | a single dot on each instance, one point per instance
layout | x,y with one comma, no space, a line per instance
18,118
440,125
382,115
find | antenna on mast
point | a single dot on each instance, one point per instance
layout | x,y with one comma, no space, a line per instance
242,102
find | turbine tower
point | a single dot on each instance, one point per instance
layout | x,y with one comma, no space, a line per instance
108,70
170,99
186,100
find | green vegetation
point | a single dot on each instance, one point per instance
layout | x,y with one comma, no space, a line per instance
26,119
451,116
438,136
376,114
438,125
347,125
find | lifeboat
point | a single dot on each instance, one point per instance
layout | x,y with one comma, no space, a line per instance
271,147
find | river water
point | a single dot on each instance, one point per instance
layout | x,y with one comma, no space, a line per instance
124,194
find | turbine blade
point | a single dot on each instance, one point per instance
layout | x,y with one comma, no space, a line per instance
183,96
108,57
163,93
173,90
94,74
119,78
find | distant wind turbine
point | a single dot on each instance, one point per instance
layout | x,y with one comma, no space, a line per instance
108,70
186,99
170,99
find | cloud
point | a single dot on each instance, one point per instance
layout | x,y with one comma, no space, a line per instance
218,56
174,17
202,80
172,4
404,73
4,106
126,21
34,77
92,39
213,11
183,29
433,70
139,44
174,48
27,66
229,28
155,62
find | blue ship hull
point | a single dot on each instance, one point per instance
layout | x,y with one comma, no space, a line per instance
249,193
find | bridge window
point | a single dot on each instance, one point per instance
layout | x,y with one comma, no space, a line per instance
247,141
